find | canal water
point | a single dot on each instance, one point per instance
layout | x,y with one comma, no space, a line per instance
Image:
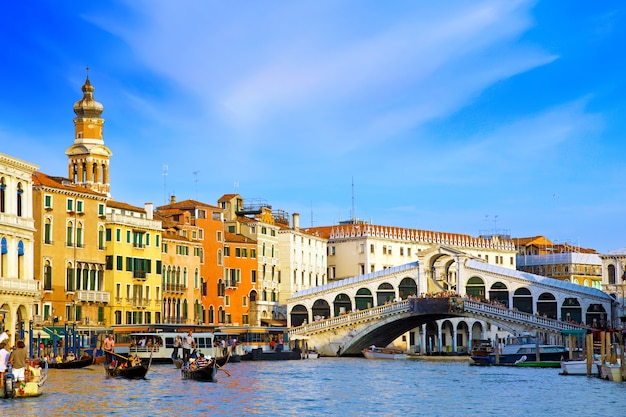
319,387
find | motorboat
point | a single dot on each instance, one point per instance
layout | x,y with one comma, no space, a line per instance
375,352
517,347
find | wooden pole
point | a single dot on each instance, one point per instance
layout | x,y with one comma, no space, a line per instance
589,353
603,347
537,353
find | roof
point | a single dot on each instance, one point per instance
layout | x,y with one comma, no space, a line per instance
124,206
538,279
41,179
560,258
187,205
616,252
235,238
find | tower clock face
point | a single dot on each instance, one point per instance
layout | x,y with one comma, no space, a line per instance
90,126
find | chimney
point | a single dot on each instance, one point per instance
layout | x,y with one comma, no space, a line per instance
172,199
296,221
149,210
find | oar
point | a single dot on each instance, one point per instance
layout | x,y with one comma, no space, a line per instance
116,354
222,369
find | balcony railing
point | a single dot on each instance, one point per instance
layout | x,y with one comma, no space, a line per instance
176,288
139,274
93,296
27,287
141,302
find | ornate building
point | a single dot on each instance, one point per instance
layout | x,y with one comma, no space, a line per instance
19,288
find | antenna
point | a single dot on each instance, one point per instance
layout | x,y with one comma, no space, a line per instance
311,213
352,212
165,184
236,185
195,173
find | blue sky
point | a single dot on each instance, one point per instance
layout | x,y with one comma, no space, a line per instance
453,116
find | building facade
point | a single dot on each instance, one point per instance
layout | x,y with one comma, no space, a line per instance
70,251
133,264
20,288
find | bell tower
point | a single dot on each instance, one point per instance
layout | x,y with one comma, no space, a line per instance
88,157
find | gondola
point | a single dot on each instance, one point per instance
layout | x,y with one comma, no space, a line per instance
204,374
221,361
131,372
85,360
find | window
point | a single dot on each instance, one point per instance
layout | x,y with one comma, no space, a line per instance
101,210
47,232
79,206
219,235
47,276
47,201
70,205
118,235
253,276
216,216
119,262
69,239
20,193
101,237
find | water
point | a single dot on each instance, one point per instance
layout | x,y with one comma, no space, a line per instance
317,387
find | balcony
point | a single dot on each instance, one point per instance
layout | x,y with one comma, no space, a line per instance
93,296
25,287
174,288
141,302
139,274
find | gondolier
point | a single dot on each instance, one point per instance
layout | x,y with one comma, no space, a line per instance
188,344
108,347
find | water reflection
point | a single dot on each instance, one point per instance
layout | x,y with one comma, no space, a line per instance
316,387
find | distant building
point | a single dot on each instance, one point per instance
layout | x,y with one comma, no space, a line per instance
565,262
356,248
614,281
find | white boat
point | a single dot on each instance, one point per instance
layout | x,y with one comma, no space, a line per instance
579,367
161,345
375,352
310,354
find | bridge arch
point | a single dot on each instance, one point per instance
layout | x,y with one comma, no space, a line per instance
299,315
547,305
363,299
475,287
342,304
407,287
499,292
385,293
523,300
321,308
571,310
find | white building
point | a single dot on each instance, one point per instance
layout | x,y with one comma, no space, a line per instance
20,293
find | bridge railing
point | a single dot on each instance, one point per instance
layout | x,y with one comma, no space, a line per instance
517,316
375,312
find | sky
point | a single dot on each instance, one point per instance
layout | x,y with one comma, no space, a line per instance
466,117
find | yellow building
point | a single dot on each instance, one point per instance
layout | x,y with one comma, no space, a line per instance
133,264
69,251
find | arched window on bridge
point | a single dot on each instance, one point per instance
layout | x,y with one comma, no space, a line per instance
547,306
611,272
342,305
384,294
299,315
320,309
523,300
571,311
407,287
475,288
363,299
597,317
499,292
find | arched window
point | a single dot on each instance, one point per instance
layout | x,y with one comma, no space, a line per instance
3,188
20,192
47,276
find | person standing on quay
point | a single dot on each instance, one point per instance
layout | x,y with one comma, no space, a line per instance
4,360
18,360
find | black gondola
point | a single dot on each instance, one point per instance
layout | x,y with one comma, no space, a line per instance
204,374
131,372
221,361
85,360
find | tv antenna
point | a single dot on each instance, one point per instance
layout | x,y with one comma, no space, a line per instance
165,184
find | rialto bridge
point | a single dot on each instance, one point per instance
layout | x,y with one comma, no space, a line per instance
408,305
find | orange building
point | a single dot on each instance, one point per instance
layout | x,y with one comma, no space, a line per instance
240,279
204,223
